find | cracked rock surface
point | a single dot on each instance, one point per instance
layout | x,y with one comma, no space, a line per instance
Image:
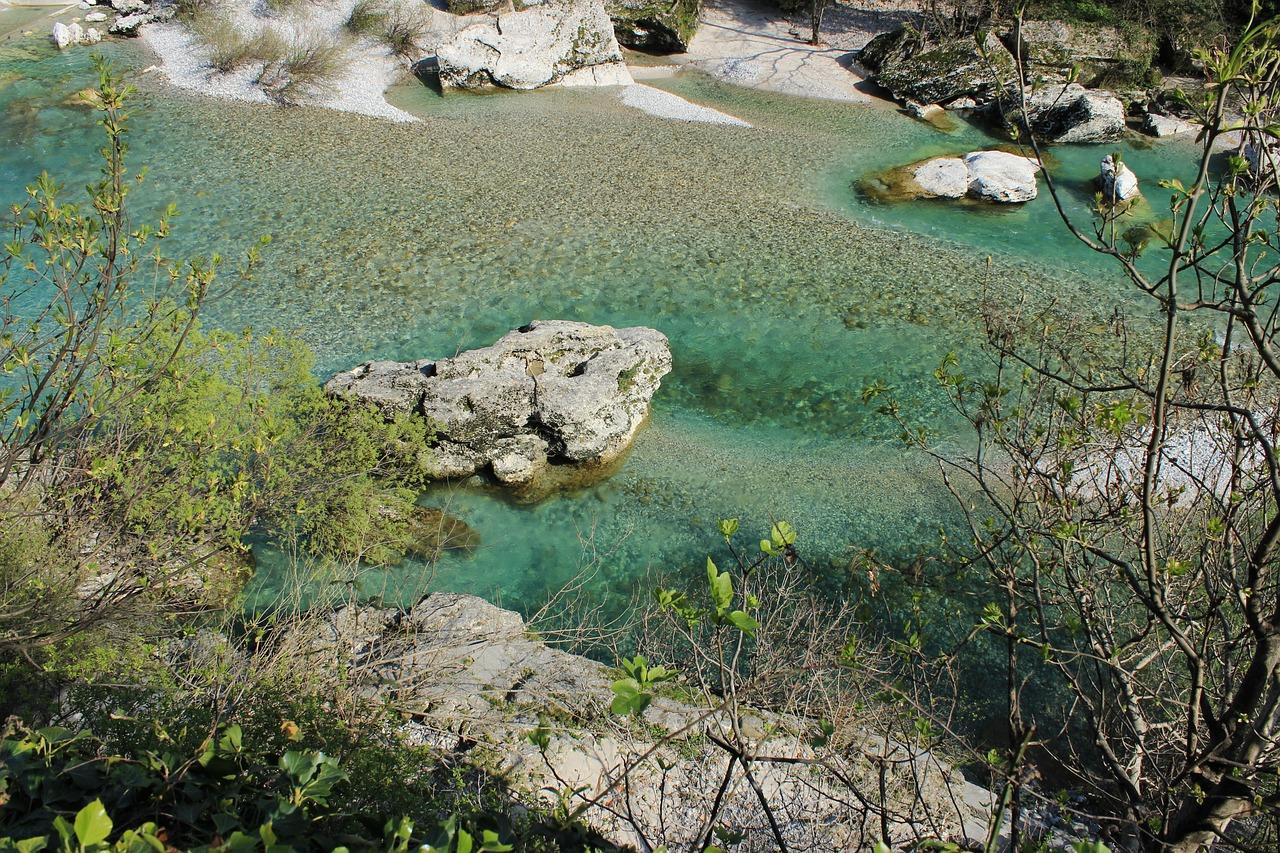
551,392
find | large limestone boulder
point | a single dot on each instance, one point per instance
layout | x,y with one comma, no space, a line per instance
1071,113
552,392
1054,50
659,26
1001,177
530,48
938,72
1119,183
942,177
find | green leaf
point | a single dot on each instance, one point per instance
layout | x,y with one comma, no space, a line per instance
782,534
232,740
721,584
744,623
728,527
464,841
628,698
92,824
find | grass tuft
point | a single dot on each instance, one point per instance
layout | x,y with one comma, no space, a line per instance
306,65
368,18
403,32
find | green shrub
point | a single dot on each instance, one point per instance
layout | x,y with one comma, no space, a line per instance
307,66
367,18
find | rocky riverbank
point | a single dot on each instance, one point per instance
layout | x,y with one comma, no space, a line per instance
472,678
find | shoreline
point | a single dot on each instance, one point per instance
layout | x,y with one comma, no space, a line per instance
740,42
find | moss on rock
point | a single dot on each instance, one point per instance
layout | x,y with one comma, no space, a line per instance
655,25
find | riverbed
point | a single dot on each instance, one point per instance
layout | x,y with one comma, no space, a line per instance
783,289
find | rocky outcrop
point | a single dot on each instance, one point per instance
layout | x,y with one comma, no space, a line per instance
552,392
1069,113
912,69
658,26
71,35
1091,54
530,48
1119,183
467,672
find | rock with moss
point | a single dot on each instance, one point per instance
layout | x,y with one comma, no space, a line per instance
657,26
550,393
532,47
912,68
1091,54
1001,177
472,7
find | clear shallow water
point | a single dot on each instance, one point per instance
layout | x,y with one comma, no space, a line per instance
782,290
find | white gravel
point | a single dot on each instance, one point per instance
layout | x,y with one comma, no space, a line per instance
666,105
369,69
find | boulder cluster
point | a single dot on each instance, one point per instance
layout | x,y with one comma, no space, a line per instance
1065,67
550,393
996,176
126,18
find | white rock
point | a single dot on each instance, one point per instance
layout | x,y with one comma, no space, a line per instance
129,7
1162,126
67,35
1001,177
550,391
93,35
943,177
95,17
608,74
1119,183
128,25
530,48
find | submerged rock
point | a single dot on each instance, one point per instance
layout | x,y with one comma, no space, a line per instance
1119,183
655,25
530,48
1072,113
938,72
552,392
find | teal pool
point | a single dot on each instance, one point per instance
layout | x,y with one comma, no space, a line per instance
783,290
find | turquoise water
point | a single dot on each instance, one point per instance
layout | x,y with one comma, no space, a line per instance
783,291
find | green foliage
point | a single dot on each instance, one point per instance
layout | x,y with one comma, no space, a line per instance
633,693
287,773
